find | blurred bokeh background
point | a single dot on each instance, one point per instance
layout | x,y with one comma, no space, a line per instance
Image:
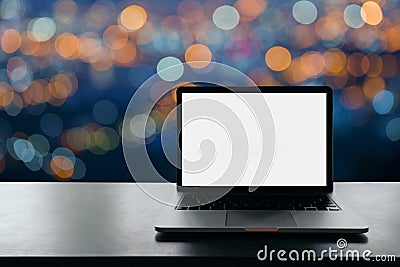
69,68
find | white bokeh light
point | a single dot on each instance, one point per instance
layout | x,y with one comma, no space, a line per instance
170,69
352,16
226,17
41,29
304,12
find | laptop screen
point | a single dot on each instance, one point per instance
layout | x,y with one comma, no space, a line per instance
300,139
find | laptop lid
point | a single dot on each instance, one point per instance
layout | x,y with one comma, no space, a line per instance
300,159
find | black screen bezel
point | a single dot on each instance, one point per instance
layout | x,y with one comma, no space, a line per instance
266,89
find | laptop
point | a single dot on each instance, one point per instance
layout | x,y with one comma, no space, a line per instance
281,179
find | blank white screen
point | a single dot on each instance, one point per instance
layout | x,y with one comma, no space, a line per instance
300,135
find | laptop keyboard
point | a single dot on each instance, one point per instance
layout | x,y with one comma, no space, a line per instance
264,202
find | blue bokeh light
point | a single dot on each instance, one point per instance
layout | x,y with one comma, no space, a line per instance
383,102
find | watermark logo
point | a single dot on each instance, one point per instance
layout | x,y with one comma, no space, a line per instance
332,254
341,243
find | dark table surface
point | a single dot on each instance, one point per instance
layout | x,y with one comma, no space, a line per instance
117,219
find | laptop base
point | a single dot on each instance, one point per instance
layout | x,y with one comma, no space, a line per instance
343,221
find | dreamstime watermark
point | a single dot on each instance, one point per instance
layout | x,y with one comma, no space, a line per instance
338,253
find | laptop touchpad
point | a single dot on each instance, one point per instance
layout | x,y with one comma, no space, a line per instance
259,219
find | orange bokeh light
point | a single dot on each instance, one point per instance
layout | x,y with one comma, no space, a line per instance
357,64
62,167
262,76
125,55
371,13
115,37
10,41
91,48
68,46
250,9
198,56
312,63
303,36
6,94
38,49
373,85
278,58
375,65
65,10
133,18
38,93
191,10
294,73
105,62
390,39
76,139
329,28
57,90
339,80
353,98
335,61
28,47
